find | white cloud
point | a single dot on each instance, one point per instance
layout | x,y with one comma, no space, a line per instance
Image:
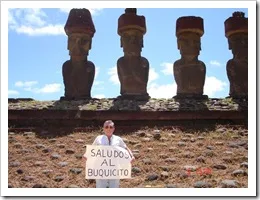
38,31
113,75
168,68
152,75
96,83
25,83
215,63
31,21
49,88
99,96
162,91
93,11
13,92
213,85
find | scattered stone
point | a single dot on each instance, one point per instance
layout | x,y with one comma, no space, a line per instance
149,149
165,168
40,146
47,171
39,186
79,141
173,149
201,159
233,145
201,138
171,160
210,147
235,137
227,159
59,178
28,133
140,133
14,164
202,184
152,177
39,163
52,140
61,145
72,186
46,150
171,186
185,139
220,166
183,175
79,156
171,135
146,139
188,155
163,139
239,172
11,133
181,144
192,140
244,164
164,175
63,164
209,153
27,178
219,143
133,142
163,156
136,170
55,156
70,151
157,136
228,152
19,171
76,170
200,144
137,145
221,130
17,145
147,161
135,151
190,168
229,184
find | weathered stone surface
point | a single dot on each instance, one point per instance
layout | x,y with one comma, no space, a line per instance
147,161
236,30
152,177
14,164
19,171
188,31
136,170
63,164
76,170
78,73
59,178
220,166
37,185
70,151
229,184
244,164
202,184
27,178
133,70
239,172
55,156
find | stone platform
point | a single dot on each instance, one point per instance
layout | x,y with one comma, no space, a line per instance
85,114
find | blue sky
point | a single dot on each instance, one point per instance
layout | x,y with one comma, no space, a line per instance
37,48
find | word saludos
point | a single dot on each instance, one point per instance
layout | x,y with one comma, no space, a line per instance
109,154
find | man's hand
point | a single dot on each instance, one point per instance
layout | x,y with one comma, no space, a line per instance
132,160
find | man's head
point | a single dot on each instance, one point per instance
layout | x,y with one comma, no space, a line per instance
109,128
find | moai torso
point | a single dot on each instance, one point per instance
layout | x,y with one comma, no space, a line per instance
189,72
237,67
78,73
133,69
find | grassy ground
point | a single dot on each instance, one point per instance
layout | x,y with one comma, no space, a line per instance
31,163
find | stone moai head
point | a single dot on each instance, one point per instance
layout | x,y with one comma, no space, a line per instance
131,28
189,30
236,30
80,29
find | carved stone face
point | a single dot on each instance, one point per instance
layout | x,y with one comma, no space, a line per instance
239,45
132,42
79,44
189,44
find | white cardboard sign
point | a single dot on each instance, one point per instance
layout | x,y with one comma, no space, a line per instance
107,162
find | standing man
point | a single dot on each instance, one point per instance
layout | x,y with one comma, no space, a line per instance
108,138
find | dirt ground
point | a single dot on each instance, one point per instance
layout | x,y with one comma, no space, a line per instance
164,158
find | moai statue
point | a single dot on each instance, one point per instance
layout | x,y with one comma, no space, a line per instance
78,73
132,68
189,72
236,28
